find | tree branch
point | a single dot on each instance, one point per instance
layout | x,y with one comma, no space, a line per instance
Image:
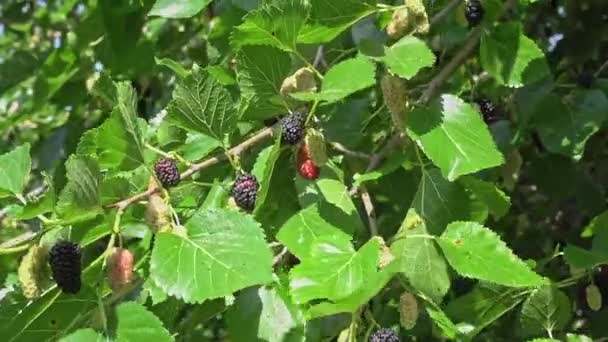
444,12
235,151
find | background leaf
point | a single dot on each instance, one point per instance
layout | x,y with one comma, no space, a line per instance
14,170
547,310
178,8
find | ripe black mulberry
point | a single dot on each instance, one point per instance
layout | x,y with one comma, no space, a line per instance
66,267
244,191
473,12
488,111
166,171
292,128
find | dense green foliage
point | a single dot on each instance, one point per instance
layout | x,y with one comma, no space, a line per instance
451,185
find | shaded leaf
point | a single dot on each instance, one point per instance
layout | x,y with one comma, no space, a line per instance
14,170
547,310
80,199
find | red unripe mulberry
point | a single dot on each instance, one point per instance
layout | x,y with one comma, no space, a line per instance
308,170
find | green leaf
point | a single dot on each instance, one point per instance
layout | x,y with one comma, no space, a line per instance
277,24
483,305
17,68
334,270
477,252
454,136
440,202
407,56
197,146
577,338
14,170
565,125
600,222
262,170
547,310
419,258
510,57
175,66
309,227
121,136
223,252
136,323
264,314
48,317
343,79
80,199
583,259
178,8
58,68
329,18
260,73
83,335
44,204
442,321
201,104
489,194
371,287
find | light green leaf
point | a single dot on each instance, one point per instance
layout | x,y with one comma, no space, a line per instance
262,170
178,8
407,56
223,252
331,17
371,287
80,199
454,136
483,305
83,335
309,227
14,170
510,57
491,196
419,258
477,252
175,66
440,202
198,146
121,135
600,222
260,73
577,338
442,321
546,311
136,323
334,270
266,314
201,104
277,24
343,79
564,128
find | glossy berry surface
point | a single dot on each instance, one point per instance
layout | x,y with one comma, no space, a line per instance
292,128
66,267
384,335
166,171
473,12
308,170
244,191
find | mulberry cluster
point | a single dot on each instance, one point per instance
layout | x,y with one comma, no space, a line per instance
306,167
292,128
66,267
166,171
245,191
473,12
384,335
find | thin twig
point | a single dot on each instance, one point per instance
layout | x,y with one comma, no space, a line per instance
342,149
448,69
369,210
235,151
601,69
445,12
279,256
